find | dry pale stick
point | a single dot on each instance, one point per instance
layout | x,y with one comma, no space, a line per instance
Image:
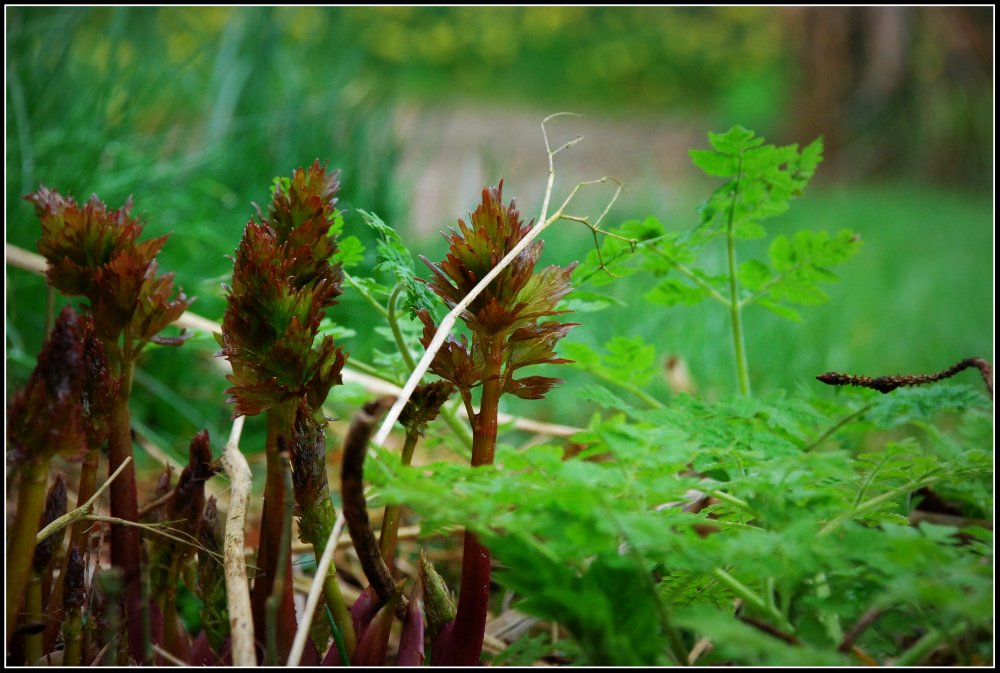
237,587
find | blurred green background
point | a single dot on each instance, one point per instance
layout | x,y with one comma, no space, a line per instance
194,111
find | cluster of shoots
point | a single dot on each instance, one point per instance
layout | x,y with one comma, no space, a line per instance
70,599
285,278
75,404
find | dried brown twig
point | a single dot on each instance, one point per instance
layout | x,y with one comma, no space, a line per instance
886,384
355,508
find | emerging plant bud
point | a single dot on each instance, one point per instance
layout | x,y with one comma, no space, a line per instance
439,603
44,417
73,586
411,640
374,642
424,405
55,507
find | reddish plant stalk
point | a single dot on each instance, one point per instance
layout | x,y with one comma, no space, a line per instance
280,420
172,634
507,335
463,644
125,543
284,279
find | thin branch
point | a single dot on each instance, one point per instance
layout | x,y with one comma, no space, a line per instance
886,384
770,630
701,647
148,527
551,157
237,587
23,259
167,656
638,244
315,592
596,227
837,426
83,510
868,618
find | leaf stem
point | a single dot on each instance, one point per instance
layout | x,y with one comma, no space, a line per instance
732,500
397,333
651,401
837,426
381,310
125,540
840,519
372,370
462,645
690,275
72,636
390,520
925,645
312,600
674,639
355,507
33,612
735,312
763,289
751,598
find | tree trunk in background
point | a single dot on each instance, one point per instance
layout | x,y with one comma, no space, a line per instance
895,88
